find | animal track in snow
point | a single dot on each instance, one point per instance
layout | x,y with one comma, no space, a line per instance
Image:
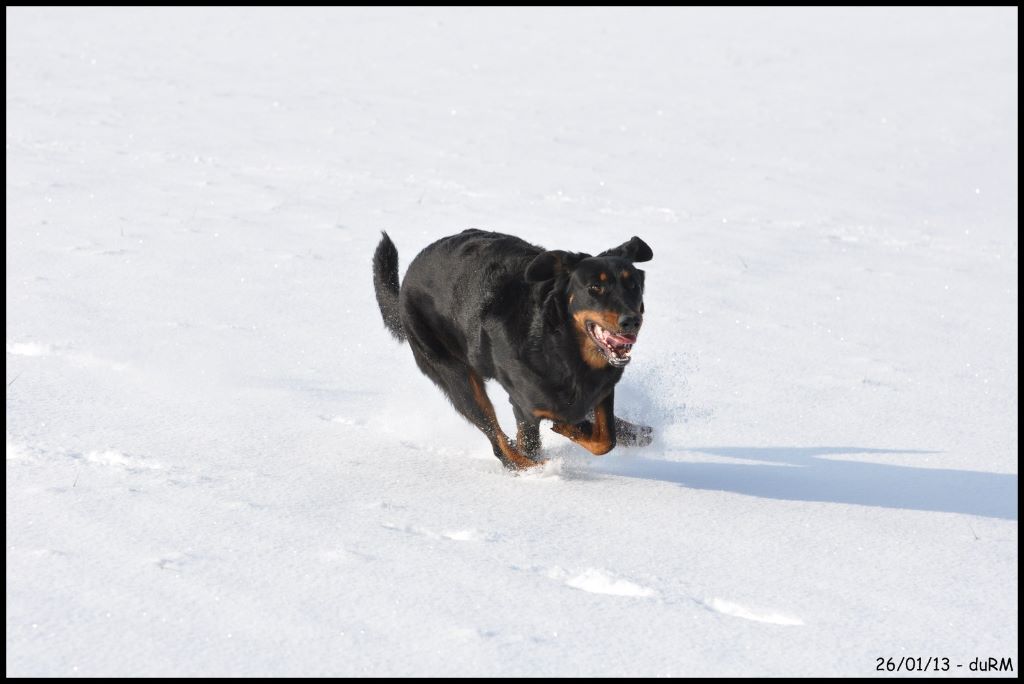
37,552
79,358
104,457
21,452
596,581
468,535
345,420
453,535
176,562
241,505
736,610
340,555
600,582
28,349
113,457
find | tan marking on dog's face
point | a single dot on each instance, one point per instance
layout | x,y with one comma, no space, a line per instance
603,277
625,274
609,320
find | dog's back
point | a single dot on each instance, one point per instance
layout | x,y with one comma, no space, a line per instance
456,283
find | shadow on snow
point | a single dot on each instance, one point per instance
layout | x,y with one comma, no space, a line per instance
800,475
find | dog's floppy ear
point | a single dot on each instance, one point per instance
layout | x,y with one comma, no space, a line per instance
635,250
547,265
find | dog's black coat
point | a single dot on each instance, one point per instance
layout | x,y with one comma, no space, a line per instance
482,305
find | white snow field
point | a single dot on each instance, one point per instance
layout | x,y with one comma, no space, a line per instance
220,463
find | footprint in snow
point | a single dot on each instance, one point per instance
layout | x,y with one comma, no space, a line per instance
453,535
28,349
239,505
597,581
22,452
117,459
84,359
724,607
175,562
344,420
37,552
342,555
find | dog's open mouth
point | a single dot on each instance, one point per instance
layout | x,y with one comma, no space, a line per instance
616,347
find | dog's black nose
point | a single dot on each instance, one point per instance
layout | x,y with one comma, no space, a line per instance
629,323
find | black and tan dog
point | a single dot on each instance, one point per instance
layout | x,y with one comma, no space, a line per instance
554,328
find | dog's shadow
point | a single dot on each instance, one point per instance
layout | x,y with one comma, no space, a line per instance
801,474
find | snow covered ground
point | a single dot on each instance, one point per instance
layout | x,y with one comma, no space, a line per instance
219,462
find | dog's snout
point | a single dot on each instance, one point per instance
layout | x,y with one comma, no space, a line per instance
629,323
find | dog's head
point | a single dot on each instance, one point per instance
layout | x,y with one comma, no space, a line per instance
605,297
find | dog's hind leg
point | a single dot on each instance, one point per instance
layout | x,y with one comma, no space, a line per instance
465,389
509,454
630,434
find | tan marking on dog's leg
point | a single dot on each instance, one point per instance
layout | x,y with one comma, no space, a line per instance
598,437
515,458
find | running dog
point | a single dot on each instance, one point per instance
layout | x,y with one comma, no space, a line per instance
555,328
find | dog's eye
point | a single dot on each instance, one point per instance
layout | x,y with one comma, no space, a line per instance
596,289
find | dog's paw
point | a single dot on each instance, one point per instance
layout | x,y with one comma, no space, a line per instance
516,469
646,437
632,435
529,464
514,460
529,449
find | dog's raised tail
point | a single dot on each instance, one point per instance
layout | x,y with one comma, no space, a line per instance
385,284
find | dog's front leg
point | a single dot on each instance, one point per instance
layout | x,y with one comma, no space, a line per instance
597,437
527,432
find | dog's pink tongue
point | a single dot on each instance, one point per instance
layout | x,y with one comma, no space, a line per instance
622,339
